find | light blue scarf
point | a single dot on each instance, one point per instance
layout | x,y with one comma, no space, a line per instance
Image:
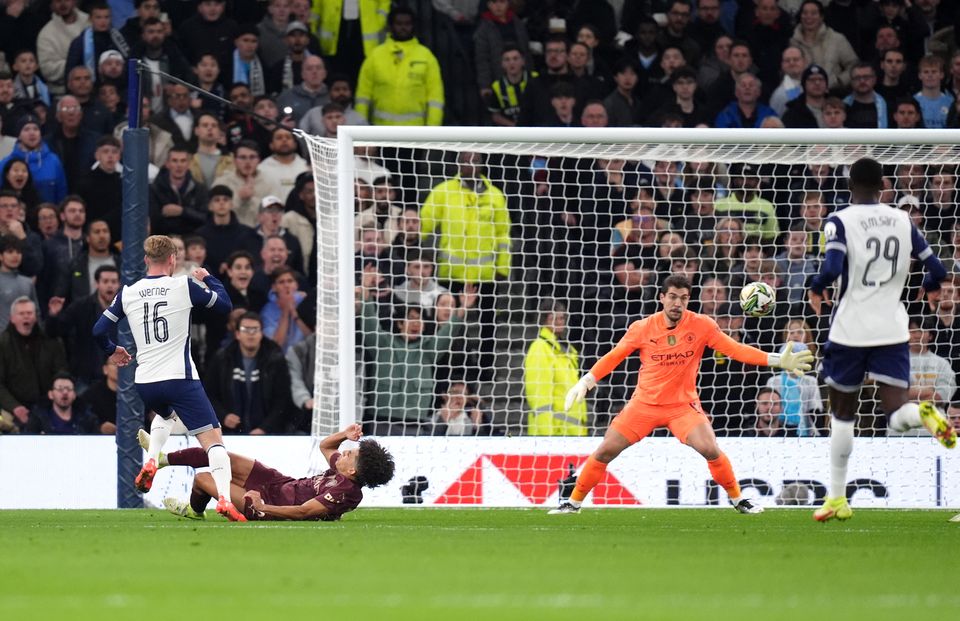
90,53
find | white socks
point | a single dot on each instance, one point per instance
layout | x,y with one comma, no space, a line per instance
219,461
841,445
906,418
160,430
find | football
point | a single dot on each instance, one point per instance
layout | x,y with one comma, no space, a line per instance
757,299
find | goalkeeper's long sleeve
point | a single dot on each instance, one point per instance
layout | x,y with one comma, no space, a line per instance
738,351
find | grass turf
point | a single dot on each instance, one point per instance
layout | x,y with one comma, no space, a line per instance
467,564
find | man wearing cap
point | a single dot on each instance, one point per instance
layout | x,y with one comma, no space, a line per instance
245,66
97,38
110,68
287,70
400,82
223,232
806,111
53,43
48,175
758,216
268,225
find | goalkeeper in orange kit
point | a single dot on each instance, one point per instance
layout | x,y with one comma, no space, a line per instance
670,344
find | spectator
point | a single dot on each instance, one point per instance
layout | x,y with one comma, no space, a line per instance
26,83
331,116
223,233
97,38
20,24
12,224
281,321
28,362
178,204
685,103
208,162
746,110
63,415
273,255
45,167
268,225
403,379
161,141
931,376
341,92
249,186
706,27
758,215
907,114
96,117
865,107
768,34
588,85
53,43
13,284
834,113
178,119
793,62
300,217
935,105
161,53
408,93
420,288
16,177
243,297
504,96
895,84
800,399
60,244
301,362
286,71
272,31
244,65
807,109
469,217
645,52
100,187
111,69
946,327
768,421
72,142
823,45
208,31
674,33
498,28
551,367
133,26
74,324
11,110
310,93
102,399
594,114
350,36
206,75
723,89
281,169
795,264
461,413
563,100
78,280
623,107
716,64
249,383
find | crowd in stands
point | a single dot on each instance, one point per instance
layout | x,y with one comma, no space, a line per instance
436,244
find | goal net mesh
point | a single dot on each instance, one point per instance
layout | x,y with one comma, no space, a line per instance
489,275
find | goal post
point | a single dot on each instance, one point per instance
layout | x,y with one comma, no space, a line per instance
585,224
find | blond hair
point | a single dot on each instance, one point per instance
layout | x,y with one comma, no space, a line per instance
159,248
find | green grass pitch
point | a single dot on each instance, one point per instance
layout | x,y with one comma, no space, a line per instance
481,564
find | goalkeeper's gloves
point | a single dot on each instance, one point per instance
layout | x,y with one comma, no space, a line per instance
579,391
797,362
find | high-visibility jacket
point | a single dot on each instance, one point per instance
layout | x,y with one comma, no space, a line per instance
325,21
472,229
549,371
400,84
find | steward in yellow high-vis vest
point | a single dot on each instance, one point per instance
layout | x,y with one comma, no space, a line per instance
469,217
400,81
550,369
325,21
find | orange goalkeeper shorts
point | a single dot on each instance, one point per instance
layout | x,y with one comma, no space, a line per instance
636,420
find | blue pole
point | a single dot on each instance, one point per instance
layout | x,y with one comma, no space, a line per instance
133,93
136,155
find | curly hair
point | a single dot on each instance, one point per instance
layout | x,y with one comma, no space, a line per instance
374,464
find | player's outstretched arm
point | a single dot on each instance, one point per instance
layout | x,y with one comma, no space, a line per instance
832,265
330,444
796,362
215,297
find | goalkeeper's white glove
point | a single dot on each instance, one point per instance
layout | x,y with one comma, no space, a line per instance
579,391
797,362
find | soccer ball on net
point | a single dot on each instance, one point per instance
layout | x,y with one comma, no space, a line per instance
757,299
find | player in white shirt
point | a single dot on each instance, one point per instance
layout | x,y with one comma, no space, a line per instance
158,307
869,248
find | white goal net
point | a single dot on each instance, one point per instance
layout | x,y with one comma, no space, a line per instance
467,277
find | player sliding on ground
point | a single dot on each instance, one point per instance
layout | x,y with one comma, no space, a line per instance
267,494
158,307
869,247
671,344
